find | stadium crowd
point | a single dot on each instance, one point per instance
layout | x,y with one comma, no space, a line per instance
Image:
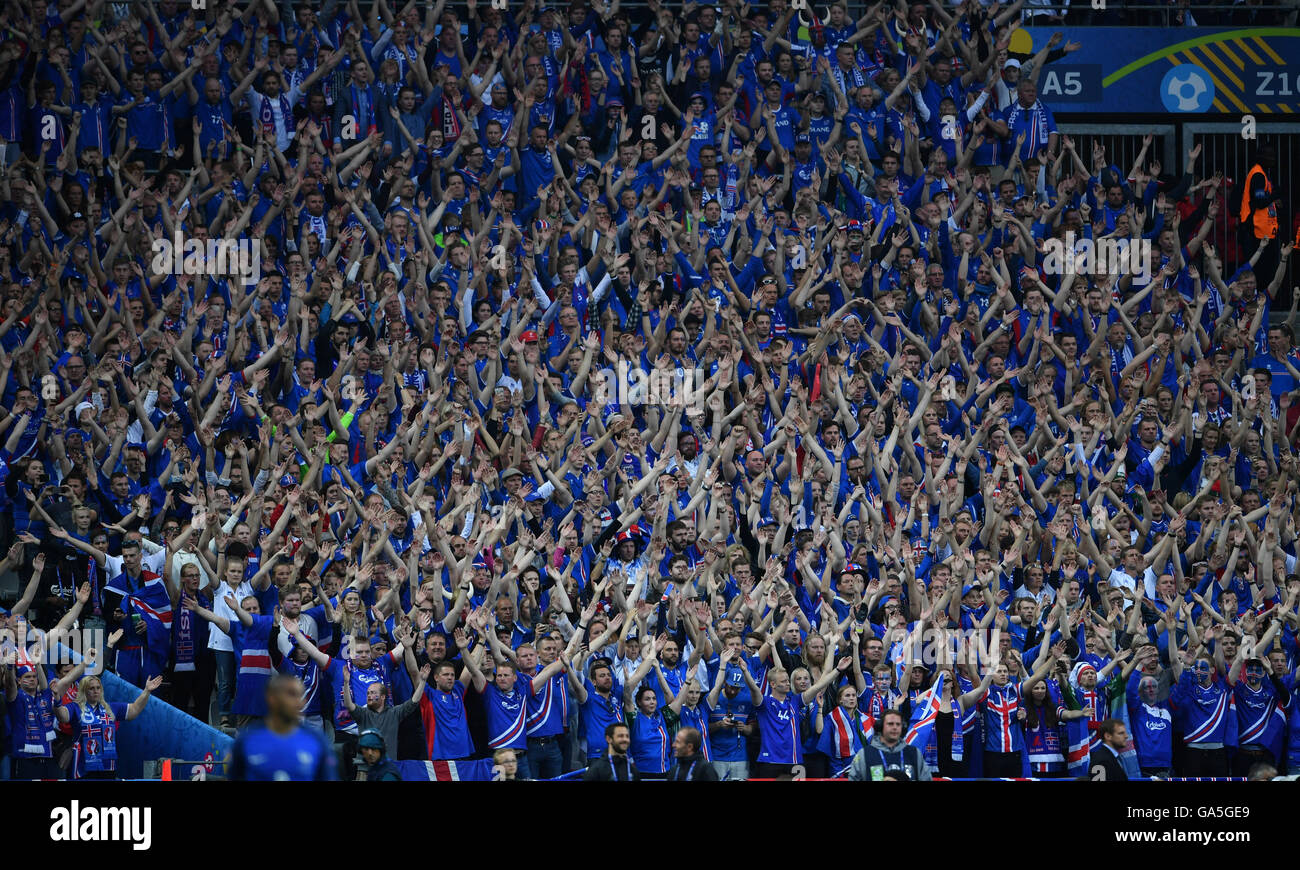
683,392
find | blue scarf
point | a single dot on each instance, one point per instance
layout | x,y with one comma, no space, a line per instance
92,577
97,740
365,119
38,717
268,117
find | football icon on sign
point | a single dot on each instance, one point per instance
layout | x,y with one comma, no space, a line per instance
1187,88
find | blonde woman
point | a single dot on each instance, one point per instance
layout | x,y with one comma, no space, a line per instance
352,618
96,723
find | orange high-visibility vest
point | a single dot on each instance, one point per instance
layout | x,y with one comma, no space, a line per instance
1264,222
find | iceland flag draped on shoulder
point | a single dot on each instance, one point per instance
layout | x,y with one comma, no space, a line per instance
921,731
1076,757
152,602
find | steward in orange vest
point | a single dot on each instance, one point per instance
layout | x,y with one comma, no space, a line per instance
1258,202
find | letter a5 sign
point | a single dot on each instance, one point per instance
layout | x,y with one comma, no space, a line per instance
1169,72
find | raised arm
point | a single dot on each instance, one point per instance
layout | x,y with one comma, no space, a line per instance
472,672
137,706
830,676
647,662
219,621
313,652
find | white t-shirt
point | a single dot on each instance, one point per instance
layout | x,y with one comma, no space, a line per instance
486,97
184,558
308,627
1120,578
218,639
624,668
152,562
1044,596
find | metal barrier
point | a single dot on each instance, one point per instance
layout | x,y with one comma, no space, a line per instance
1123,142
1117,12
1223,148
1122,13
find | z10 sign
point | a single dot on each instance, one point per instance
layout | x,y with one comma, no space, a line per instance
1187,70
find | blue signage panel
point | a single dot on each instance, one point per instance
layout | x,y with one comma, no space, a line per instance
1142,71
